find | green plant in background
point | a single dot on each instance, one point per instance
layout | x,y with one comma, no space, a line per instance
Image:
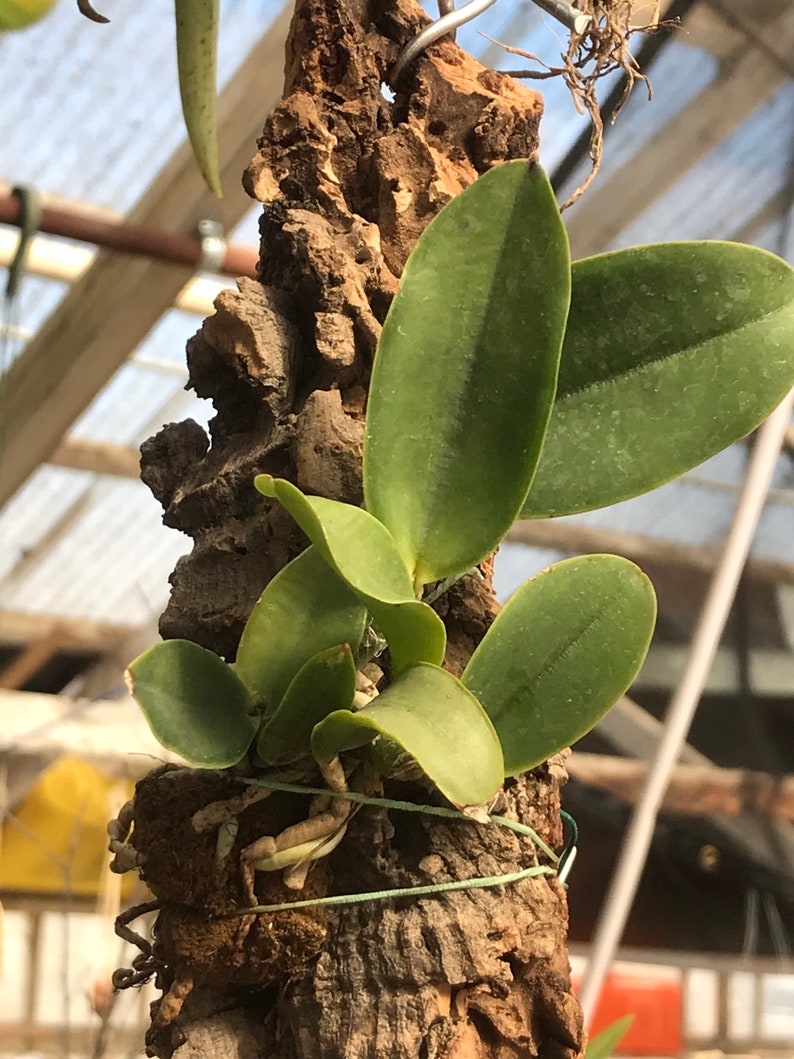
604,1043
507,384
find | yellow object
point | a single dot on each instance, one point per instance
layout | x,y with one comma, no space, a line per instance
56,839
17,14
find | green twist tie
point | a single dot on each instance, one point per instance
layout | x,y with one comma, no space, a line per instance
478,883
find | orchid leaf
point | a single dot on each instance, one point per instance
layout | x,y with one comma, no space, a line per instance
327,682
671,353
464,377
436,721
362,551
197,58
562,651
305,609
194,703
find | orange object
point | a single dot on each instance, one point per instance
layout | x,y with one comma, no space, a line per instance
653,996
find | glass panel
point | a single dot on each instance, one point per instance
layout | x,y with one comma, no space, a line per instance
777,1007
701,1004
16,933
741,1005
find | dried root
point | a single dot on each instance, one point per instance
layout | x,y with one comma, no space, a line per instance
145,965
125,855
599,51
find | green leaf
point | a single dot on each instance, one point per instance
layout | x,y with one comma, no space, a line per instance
436,721
464,377
197,57
363,553
24,13
604,1043
305,609
194,703
561,653
672,352
325,683
413,631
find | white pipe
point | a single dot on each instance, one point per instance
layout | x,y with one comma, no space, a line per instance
683,704
53,259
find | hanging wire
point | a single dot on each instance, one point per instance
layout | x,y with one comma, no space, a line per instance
448,23
452,19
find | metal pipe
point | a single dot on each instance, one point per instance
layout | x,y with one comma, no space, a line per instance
54,259
435,31
566,13
131,238
711,623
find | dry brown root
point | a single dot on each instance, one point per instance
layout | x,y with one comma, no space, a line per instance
172,1001
597,52
200,936
125,856
145,965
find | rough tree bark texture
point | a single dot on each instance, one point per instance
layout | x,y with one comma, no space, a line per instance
349,180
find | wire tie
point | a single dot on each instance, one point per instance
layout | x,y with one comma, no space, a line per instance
477,883
564,11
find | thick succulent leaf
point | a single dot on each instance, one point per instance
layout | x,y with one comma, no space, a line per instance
194,703
305,609
22,13
671,353
561,653
603,1045
413,631
326,683
197,57
436,721
363,553
464,377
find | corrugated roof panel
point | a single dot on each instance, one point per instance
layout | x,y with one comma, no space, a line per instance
123,408
690,512
139,399
679,73
779,235
34,302
516,563
36,508
775,536
108,567
728,186
81,131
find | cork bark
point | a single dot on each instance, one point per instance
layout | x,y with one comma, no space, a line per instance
349,178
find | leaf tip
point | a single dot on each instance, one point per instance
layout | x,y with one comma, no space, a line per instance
266,484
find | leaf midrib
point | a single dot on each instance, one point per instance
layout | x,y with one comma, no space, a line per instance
651,365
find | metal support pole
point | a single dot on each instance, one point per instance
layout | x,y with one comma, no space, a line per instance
128,238
711,623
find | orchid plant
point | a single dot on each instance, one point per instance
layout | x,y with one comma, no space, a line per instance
507,384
